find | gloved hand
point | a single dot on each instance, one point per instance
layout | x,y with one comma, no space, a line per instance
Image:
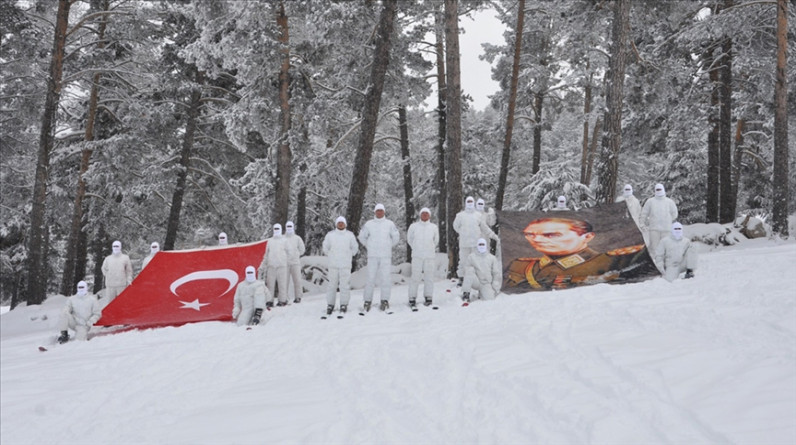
256,318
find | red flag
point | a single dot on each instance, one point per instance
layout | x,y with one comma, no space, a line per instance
184,286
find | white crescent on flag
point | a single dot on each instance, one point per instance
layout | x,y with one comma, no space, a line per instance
222,274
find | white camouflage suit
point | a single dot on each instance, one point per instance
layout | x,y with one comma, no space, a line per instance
470,226
482,273
633,205
423,238
295,249
339,246
275,266
674,256
249,295
118,272
79,314
657,216
379,235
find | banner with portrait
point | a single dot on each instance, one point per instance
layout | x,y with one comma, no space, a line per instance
546,250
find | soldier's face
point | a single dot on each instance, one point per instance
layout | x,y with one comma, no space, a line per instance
379,213
341,226
556,238
424,216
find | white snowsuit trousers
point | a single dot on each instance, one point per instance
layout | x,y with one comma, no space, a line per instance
276,278
68,321
294,278
422,269
381,269
339,277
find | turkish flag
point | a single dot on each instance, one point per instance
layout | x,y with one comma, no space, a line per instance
184,286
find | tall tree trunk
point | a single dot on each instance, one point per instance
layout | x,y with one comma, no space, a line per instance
407,170
100,249
515,71
440,180
81,259
37,280
71,274
737,159
586,112
370,115
612,133
172,227
595,136
283,157
454,126
538,102
779,223
712,198
726,200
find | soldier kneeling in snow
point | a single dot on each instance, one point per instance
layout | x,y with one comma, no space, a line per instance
482,273
675,254
250,299
82,310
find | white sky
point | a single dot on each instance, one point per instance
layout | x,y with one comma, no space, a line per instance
476,75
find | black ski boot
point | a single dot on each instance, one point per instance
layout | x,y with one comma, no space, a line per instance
343,308
384,305
269,305
466,297
282,303
367,306
329,309
64,337
297,300
427,302
689,274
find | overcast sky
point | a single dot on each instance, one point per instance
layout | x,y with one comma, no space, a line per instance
476,75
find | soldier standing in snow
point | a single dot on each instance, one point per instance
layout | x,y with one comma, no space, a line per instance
482,273
470,226
295,249
423,238
633,206
275,266
222,239
80,313
379,236
339,246
249,299
488,216
561,204
675,254
118,272
657,216
153,249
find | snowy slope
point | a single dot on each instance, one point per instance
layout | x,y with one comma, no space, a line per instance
705,361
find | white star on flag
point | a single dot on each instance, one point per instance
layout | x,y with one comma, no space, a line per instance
195,305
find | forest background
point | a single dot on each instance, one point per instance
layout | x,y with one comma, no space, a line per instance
172,121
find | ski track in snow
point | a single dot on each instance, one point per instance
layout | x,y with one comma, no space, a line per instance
705,361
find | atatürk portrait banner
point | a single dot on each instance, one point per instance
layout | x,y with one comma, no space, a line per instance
544,250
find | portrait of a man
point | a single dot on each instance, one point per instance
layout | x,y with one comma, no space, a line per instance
563,255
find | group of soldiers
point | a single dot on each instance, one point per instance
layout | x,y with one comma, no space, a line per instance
478,269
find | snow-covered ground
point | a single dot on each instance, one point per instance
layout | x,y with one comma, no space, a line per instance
705,361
